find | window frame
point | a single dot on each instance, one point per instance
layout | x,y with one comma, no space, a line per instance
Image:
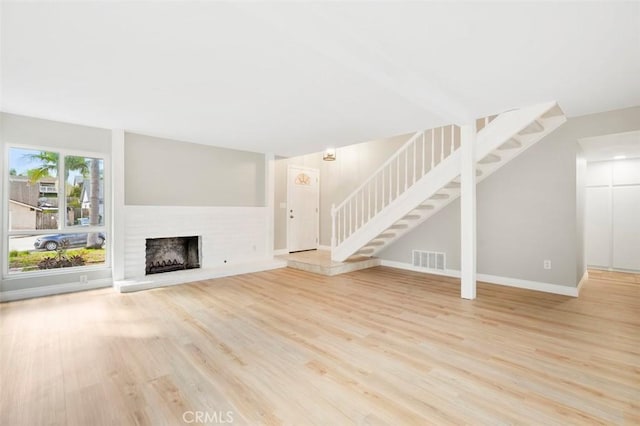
63,228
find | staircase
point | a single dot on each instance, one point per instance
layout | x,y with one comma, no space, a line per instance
423,176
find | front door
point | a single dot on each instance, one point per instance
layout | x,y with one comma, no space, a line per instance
303,199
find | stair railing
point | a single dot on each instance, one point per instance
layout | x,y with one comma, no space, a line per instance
419,155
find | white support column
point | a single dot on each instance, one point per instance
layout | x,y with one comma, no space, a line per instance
117,207
269,201
468,213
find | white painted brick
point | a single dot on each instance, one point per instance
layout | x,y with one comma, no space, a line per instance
228,233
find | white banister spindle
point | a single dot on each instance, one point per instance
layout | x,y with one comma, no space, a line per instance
452,139
424,151
433,150
350,215
382,189
406,169
390,183
362,209
369,203
333,226
344,222
415,168
441,144
375,194
397,176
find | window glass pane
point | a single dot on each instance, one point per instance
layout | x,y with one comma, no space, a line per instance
52,251
33,189
84,188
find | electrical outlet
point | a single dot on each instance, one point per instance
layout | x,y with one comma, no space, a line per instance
546,264
83,279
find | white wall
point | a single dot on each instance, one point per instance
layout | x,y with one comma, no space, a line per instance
353,164
612,214
163,172
21,130
174,188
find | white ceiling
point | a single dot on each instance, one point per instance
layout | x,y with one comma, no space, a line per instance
293,78
609,146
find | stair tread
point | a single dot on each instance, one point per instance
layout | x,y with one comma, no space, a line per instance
386,235
491,158
425,207
534,127
399,226
553,112
365,250
510,144
439,197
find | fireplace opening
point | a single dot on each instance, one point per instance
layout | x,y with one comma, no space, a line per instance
172,254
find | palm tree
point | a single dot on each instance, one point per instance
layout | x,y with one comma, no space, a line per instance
94,202
49,165
49,162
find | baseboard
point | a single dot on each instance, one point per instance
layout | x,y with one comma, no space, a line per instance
492,279
607,269
184,277
325,248
50,290
583,280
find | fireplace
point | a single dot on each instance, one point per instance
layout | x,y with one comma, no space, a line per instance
172,254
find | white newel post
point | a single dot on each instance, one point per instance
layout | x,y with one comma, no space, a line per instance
468,213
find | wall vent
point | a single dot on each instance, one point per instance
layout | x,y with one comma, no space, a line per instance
430,260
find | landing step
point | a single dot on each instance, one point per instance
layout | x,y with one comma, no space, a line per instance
534,127
319,262
510,144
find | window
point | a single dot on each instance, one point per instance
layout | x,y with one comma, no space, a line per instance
55,211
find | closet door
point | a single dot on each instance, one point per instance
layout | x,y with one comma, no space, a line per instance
626,229
598,227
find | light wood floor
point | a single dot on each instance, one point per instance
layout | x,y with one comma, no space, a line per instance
372,347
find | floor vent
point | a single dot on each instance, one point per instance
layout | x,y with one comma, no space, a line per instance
430,259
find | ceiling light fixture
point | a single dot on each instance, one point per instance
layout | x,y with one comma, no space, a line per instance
329,154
